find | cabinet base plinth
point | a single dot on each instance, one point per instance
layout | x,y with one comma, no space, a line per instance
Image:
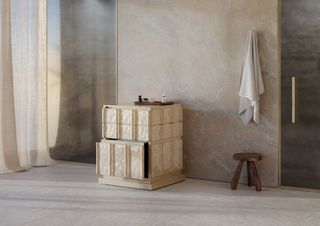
145,184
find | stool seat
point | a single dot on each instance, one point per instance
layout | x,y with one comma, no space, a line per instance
252,173
252,157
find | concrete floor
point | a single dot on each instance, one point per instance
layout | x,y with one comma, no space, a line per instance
67,194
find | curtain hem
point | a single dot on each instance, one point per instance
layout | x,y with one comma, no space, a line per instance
15,170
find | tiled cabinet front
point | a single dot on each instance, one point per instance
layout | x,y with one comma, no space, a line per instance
143,124
122,160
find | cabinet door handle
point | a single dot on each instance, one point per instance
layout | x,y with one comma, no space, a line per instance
293,99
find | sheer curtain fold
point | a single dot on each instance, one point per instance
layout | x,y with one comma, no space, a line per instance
28,81
41,156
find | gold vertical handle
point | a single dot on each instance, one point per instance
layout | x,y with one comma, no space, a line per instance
293,99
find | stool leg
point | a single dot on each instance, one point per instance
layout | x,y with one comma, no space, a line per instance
236,176
249,174
256,178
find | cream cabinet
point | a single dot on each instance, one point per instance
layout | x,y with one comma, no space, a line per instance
141,146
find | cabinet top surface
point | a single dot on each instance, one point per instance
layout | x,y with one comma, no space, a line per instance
133,106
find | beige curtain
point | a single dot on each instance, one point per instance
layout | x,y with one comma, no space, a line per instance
9,160
23,81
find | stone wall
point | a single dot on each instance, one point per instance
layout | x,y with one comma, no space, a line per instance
192,51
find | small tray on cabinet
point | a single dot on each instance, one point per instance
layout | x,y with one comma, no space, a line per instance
154,103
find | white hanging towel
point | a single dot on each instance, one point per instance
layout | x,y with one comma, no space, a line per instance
251,84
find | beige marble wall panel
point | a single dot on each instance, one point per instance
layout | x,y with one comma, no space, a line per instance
192,51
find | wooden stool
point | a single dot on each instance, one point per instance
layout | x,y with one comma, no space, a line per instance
253,177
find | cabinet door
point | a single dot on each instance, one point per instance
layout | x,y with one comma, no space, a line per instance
155,160
103,160
177,155
167,157
135,162
118,160
122,160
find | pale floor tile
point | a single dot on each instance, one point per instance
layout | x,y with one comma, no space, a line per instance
67,194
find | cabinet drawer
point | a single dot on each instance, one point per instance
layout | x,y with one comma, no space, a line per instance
122,159
145,116
134,116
